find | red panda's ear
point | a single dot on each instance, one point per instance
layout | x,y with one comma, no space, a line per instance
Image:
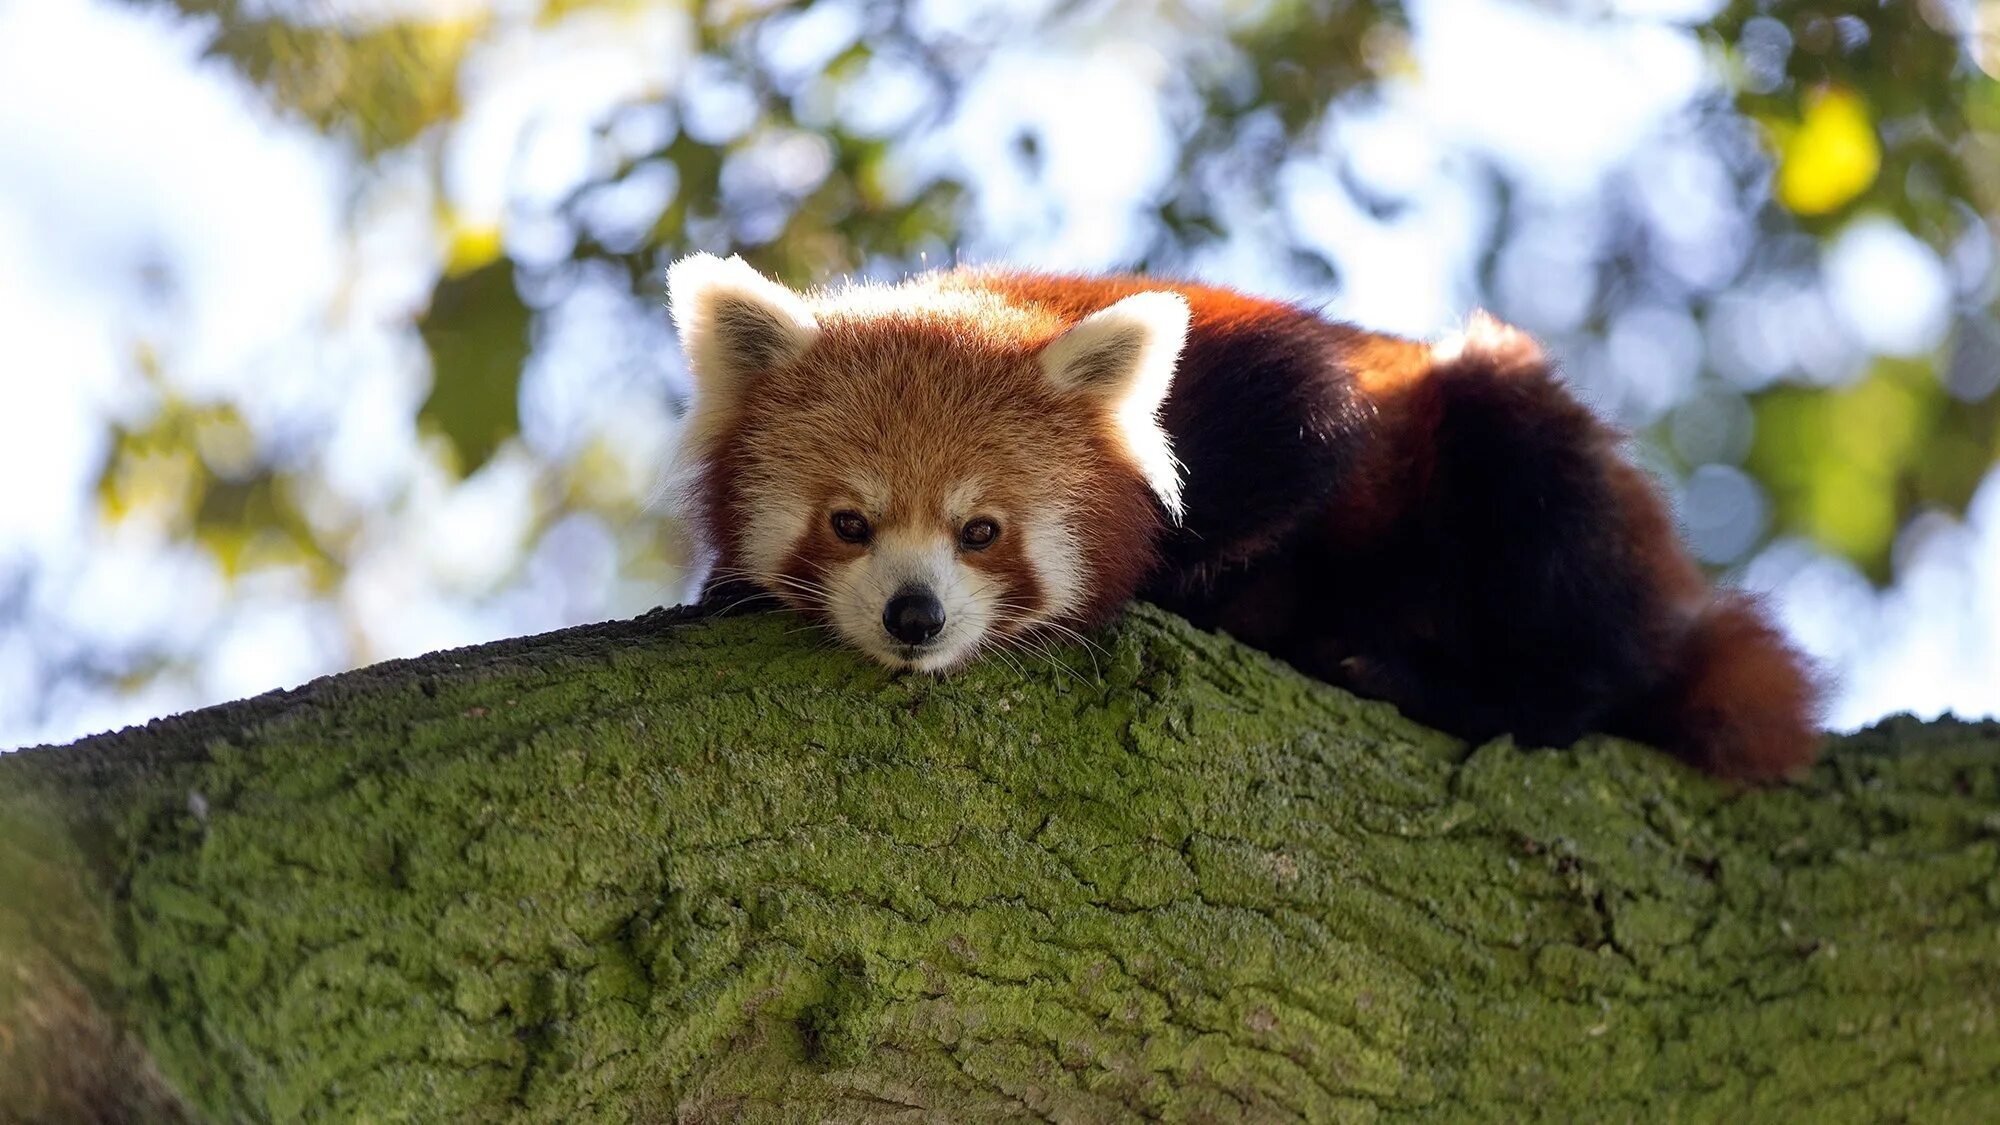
1125,355
734,321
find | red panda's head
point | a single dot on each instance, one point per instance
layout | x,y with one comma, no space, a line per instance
928,467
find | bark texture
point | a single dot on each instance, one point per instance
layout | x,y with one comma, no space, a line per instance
702,870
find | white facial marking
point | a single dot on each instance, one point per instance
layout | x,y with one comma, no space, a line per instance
962,501
901,560
774,526
871,493
1053,551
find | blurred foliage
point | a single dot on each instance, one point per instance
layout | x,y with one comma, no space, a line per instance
1855,108
193,470
380,86
1844,465
477,331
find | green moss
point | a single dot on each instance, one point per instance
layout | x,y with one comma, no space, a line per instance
711,871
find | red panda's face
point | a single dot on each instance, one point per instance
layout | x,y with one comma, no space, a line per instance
917,564
930,473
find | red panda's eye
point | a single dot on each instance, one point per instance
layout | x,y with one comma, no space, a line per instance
978,534
850,526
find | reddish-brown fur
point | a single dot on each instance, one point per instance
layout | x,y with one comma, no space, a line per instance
1724,689
1453,532
874,381
1736,702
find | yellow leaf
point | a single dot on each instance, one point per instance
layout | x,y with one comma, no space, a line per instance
1831,157
471,248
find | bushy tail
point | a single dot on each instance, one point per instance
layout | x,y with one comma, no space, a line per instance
1739,701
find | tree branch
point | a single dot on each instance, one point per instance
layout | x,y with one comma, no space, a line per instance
697,868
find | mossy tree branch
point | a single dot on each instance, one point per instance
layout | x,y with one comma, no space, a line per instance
705,870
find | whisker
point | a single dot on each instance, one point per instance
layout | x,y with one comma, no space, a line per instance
740,601
1000,654
812,592
1090,648
1017,645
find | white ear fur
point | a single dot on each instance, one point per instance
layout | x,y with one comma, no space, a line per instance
1487,335
1126,354
1123,351
734,322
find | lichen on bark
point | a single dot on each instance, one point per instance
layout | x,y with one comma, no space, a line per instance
703,869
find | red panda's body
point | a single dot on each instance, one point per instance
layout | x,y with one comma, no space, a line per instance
1441,526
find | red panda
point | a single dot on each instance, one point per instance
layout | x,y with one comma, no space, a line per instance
974,458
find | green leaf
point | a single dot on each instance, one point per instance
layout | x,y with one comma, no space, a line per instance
477,333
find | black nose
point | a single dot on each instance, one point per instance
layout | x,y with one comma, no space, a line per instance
913,616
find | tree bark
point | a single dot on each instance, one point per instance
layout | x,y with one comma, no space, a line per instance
696,868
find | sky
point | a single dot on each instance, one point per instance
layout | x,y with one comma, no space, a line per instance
156,215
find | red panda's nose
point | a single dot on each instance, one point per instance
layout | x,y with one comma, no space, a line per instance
913,616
